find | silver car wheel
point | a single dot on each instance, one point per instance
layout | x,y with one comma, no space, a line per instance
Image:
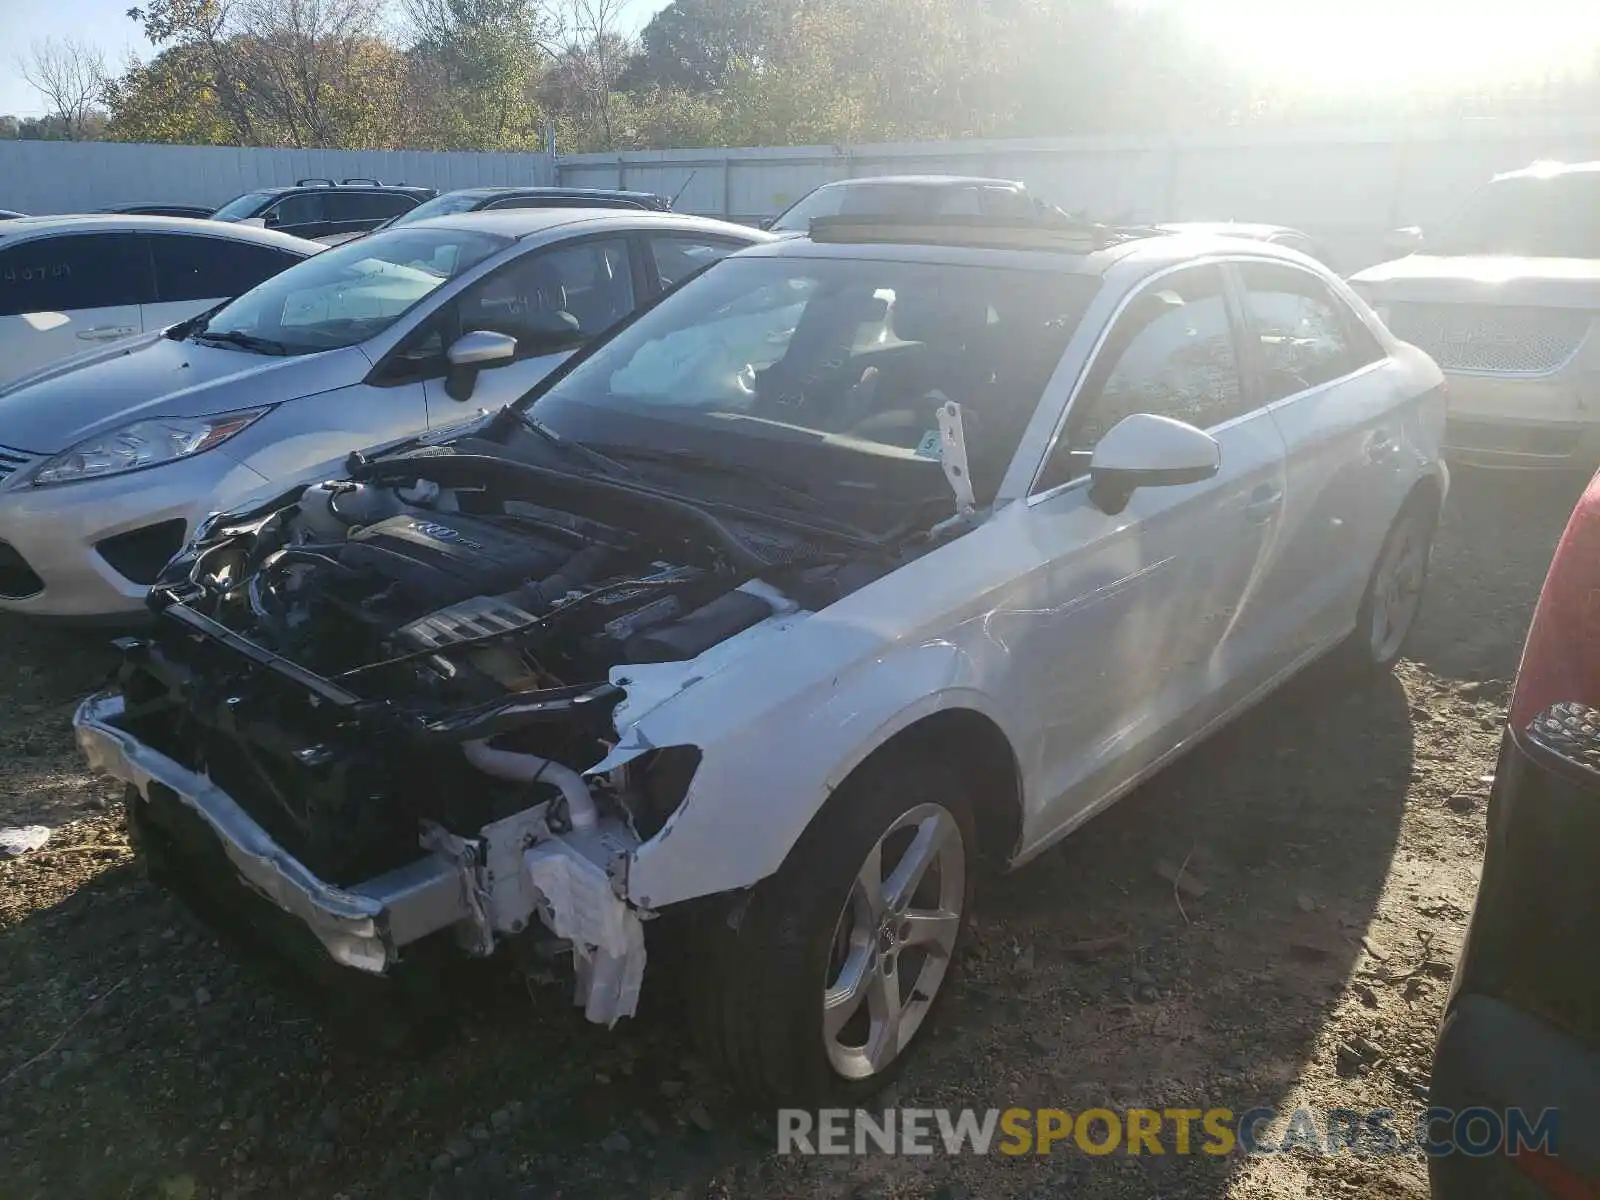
1397,587
893,942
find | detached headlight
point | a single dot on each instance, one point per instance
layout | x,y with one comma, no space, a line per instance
142,444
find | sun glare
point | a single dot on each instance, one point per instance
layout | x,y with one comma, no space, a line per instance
1399,45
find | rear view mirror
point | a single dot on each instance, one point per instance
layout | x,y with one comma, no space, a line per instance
1145,450
474,352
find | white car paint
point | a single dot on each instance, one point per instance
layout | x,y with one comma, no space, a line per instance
1095,641
1506,297
38,250
1100,646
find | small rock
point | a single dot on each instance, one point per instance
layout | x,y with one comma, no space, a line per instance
1140,976
700,1118
616,1142
500,1120
479,1134
672,1088
1306,952
1305,903
601,1077
459,1149
329,1119
1025,959
1146,993
1347,1060
649,1124
442,1163
1463,802
1366,995
16,840
1485,778
201,997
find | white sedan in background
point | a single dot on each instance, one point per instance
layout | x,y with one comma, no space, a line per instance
69,284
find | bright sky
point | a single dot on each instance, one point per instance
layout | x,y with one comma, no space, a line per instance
1339,45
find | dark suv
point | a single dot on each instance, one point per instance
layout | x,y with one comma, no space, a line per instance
487,199
315,208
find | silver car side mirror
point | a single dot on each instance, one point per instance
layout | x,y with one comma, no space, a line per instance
482,348
1146,450
474,352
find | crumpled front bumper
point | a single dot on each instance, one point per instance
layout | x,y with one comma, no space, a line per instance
477,887
362,926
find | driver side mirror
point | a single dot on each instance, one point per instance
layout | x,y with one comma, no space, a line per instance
473,352
1146,450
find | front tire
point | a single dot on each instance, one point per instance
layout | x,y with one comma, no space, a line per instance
816,990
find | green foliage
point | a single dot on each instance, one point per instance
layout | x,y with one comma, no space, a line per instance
497,74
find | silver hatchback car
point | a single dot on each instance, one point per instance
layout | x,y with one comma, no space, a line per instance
108,460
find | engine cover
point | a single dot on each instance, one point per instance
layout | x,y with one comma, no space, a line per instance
441,558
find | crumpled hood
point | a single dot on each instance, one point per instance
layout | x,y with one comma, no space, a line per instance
154,376
1499,280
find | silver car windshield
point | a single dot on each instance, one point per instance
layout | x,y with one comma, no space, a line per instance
348,294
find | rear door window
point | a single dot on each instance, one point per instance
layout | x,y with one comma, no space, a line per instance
679,257
75,271
204,268
1302,334
305,208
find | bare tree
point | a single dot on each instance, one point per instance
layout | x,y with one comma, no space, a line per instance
70,75
593,53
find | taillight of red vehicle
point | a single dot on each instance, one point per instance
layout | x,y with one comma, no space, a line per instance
1561,660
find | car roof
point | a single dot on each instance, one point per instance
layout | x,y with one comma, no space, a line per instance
285,189
926,181
1248,229
1147,254
541,190
521,223
23,227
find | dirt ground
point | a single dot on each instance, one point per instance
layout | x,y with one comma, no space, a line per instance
1336,835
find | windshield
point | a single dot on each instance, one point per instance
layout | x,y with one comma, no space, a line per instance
351,293
1527,216
241,207
879,199
439,206
828,372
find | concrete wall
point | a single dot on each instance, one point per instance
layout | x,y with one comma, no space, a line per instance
1347,186
53,177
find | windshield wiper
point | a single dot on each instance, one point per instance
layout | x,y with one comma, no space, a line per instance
594,458
244,341
689,460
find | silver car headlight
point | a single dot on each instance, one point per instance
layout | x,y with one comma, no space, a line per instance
141,444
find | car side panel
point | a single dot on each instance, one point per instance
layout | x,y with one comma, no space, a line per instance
308,438
34,340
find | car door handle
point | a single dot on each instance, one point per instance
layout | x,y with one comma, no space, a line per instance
1380,446
104,333
1264,503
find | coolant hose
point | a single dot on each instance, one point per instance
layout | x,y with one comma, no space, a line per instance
529,768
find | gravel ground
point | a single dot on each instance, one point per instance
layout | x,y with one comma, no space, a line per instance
1332,841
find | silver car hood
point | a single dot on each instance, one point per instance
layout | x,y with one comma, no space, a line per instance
1438,279
157,377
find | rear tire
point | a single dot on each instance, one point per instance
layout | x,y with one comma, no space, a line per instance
1393,598
814,988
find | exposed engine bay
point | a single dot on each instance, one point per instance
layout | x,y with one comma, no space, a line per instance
427,657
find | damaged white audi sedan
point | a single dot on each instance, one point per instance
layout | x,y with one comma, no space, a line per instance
858,562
